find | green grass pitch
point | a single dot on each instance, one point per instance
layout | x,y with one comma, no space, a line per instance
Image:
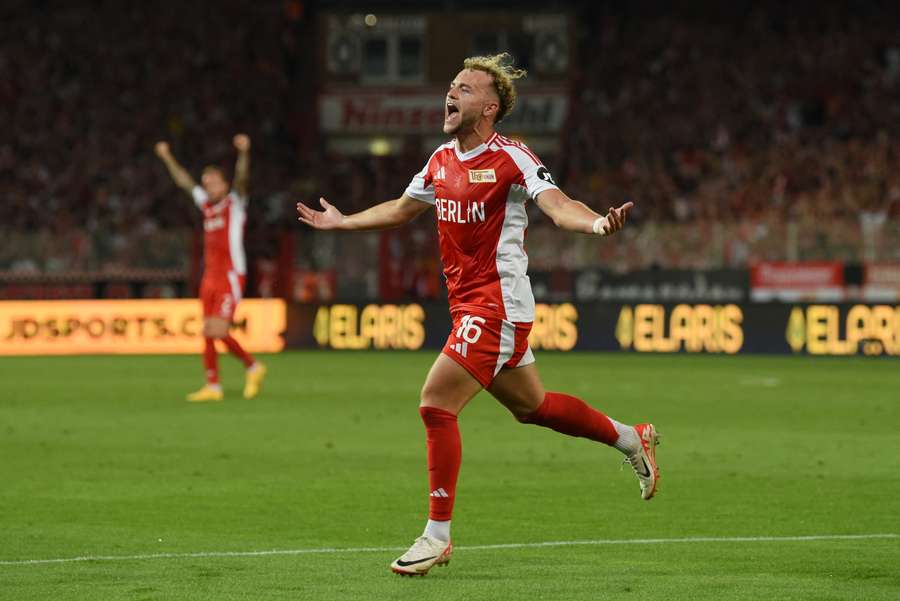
101,457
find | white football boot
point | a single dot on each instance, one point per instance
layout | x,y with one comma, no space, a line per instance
424,554
644,460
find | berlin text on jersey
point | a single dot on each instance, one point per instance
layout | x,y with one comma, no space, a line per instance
455,212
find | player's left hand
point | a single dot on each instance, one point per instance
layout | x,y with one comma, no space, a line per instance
242,142
615,218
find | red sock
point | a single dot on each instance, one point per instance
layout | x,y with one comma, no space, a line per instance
238,351
574,417
444,459
211,362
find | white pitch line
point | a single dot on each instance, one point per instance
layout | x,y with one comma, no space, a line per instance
561,543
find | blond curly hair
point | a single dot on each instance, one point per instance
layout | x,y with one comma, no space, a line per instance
501,69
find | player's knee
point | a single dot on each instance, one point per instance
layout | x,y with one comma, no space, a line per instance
433,396
429,397
522,413
523,407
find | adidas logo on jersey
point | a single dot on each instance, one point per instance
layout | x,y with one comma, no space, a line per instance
439,493
440,173
462,348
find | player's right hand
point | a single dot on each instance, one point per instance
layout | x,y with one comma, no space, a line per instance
329,219
162,149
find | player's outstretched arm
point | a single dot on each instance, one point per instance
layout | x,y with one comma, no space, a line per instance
576,216
392,213
242,167
179,175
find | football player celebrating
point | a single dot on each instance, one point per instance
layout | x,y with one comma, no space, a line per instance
225,265
478,184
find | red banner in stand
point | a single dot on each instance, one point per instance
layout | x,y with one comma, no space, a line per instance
882,282
793,282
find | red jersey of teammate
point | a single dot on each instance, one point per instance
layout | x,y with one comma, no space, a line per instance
223,233
479,197
225,264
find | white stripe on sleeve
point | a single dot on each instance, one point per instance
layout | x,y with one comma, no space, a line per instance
537,177
417,188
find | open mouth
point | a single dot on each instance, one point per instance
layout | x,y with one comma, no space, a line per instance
451,109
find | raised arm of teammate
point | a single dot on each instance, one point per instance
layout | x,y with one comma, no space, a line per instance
242,167
180,176
392,213
576,216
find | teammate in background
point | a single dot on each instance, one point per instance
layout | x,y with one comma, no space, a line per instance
478,184
225,265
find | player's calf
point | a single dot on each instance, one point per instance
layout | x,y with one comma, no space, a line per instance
572,416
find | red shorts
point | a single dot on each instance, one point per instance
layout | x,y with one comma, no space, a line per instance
220,295
485,345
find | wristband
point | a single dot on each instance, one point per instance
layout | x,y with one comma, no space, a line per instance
598,226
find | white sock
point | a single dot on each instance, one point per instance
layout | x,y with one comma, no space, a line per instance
215,386
628,441
438,530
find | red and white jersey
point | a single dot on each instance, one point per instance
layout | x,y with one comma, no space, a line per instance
223,234
479,197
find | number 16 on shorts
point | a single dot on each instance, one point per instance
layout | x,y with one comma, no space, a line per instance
484,345
469,331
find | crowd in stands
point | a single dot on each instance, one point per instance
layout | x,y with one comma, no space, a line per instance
87,88
762,114
742,134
